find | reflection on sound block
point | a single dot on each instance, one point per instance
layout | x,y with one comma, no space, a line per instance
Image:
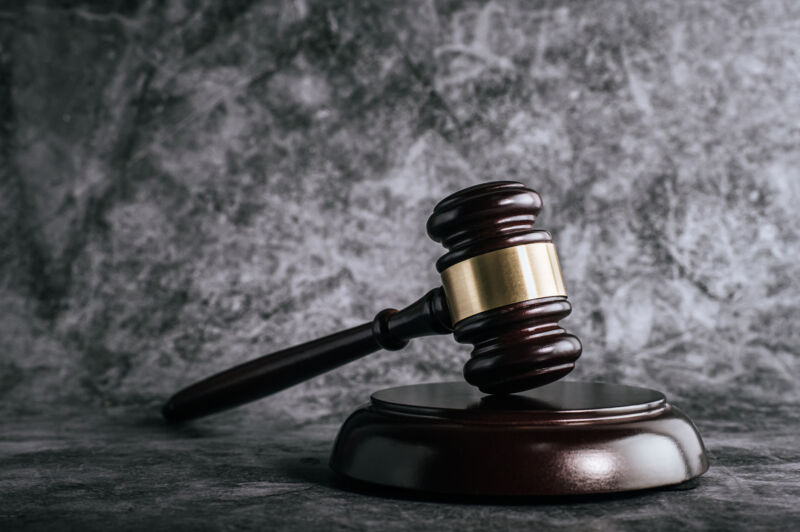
565,438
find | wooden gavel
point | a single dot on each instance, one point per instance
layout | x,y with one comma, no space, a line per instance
502,292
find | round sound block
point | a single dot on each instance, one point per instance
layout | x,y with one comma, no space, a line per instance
561,439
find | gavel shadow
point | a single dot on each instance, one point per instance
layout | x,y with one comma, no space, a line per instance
317,473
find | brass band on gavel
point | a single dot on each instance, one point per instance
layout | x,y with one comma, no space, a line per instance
502,277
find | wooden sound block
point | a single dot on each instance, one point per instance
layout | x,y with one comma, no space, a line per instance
564,438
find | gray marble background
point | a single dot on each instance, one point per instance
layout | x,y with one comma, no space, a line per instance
188,185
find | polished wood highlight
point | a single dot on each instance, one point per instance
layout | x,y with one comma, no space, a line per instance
566,438
483,218
519,346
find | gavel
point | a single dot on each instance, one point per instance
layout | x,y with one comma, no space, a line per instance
502,291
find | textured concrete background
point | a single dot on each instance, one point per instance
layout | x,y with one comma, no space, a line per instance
188,185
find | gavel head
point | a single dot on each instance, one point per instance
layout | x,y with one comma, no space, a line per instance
503,286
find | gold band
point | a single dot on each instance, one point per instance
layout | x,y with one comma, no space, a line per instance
502,277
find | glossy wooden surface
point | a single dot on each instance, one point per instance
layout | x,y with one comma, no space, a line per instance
518,346
263,376
566,438
483,218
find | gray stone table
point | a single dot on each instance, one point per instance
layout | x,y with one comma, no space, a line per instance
124,469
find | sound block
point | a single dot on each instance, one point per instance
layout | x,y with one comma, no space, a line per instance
565,438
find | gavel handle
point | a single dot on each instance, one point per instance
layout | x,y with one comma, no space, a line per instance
391,329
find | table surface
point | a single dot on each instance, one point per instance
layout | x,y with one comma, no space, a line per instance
94,468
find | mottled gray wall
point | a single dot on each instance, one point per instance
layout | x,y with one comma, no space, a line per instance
188,185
